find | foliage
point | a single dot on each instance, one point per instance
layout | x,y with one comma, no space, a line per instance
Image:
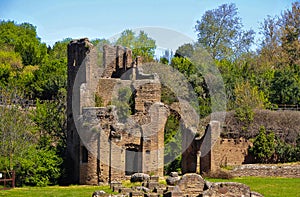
38,167
124,102
185,50
172,149
167,96
23,39
98,101
221,34
247,98
285,87
17,132
285,152
194,76
141,45
50,118
263,146
22,147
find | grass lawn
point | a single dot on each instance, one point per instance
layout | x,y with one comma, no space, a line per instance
285,187
270,186
54,191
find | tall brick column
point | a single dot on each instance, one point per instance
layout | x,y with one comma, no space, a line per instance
77,51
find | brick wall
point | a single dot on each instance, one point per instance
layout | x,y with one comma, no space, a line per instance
231,152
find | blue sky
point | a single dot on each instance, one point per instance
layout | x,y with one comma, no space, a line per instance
58,19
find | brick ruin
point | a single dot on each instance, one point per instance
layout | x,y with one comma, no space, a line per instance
117,148
101,147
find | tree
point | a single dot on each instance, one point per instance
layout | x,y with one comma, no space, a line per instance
172,149
23,39
10,66
185,50
17,131
285,87
141,45
290,34
263,146
221,33
195,78
100,42
20,145
247,98
50,119
59,50
280,46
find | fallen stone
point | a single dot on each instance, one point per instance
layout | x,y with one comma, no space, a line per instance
174,174
139,177
172,180
227,189
256,194
142,188
98,193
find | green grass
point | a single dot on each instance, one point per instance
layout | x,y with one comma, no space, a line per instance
269,186
54,191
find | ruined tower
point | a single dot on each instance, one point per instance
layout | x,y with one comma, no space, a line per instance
102,147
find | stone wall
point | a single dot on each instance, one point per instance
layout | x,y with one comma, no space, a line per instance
267,170
109,148
193,185
231,152
105,90
207,146
146,94
77,52
117,60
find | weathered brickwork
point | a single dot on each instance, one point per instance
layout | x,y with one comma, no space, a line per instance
110,148
267,170
231,152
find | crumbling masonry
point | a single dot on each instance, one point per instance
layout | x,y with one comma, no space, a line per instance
101,146
104,146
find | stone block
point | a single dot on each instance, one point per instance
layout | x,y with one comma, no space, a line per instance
115,183
125,190
152,185
154,179
173,194
136,194
227,189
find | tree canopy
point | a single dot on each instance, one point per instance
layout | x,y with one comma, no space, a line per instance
221,33
141,44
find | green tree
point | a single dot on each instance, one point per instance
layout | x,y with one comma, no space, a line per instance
38,167
172,149
195,78
124,103
263,146
221,33
280,46
23,39
50,119
248,98
17,131
141,45
10,66
285,87
185,50
59,50
50,80
290,34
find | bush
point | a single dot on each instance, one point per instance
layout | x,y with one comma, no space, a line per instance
263,146
39,167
